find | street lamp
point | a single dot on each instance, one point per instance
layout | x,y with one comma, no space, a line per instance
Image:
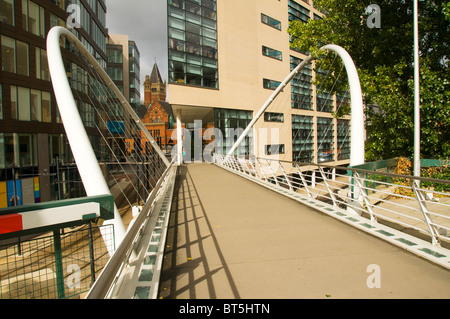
416,92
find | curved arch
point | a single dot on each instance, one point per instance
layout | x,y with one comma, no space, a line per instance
357,111
88,167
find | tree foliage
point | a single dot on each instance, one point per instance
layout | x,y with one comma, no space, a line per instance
385,62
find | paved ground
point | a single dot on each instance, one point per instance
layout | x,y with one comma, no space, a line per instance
230,238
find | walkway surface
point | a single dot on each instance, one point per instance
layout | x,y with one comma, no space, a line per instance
231,238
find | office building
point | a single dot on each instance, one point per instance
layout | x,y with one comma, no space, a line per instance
226,58
36,164
123,67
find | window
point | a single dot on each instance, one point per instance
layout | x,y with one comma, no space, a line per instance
30,105
99,37
7,11
60,3
15,56
8,54
297,12
343,139
102,15
116,73
33,18
274,149
36,105
13,90
46,107
272,53
302,139
24,107
87,114
1,102
22,58
270,21
270,84
114,53
324,102
193,43
232,123
56,21
325,139
301,86
273,117
42,70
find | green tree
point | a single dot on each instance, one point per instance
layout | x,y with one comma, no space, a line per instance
384,58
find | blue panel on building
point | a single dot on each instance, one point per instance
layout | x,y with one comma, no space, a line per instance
10,192
116,127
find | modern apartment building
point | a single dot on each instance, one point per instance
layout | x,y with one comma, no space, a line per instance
226,58
123,67
35,160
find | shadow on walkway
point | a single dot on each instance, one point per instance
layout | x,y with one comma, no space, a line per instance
189,228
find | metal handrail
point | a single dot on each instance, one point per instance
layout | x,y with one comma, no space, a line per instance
106,279
358,196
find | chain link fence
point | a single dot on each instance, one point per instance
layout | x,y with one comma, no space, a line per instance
62,265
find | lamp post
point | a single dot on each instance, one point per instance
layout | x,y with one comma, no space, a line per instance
416,92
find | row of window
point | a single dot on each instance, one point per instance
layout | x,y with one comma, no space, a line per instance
33,15
30,105
204,8
232,123
301,90
193,43
303,139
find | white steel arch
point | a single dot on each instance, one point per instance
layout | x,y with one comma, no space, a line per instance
357,111
89,169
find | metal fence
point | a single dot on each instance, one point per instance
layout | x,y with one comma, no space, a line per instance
412,205
59,265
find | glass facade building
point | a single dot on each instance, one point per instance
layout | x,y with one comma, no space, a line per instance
34,152
192,28
252,48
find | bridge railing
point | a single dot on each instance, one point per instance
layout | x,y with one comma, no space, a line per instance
391,199
105,285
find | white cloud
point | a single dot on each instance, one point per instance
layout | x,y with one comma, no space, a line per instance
145,22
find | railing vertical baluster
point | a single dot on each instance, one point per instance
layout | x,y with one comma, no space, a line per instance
373,218
330,191
286,176
305,185
273,173
423,207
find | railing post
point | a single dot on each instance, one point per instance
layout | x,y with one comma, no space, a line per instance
286,176
303,181
373,218
261,168
253,168
58,264
423,207
91,254
330,191
271,170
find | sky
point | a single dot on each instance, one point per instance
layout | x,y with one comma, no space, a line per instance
145,22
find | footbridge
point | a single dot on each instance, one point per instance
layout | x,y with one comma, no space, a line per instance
227,233
245,227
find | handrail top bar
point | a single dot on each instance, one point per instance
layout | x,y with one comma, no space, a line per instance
360,170
102,285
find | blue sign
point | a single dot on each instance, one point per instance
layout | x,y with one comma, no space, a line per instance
116,127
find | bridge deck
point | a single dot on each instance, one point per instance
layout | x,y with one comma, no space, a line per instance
231,238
